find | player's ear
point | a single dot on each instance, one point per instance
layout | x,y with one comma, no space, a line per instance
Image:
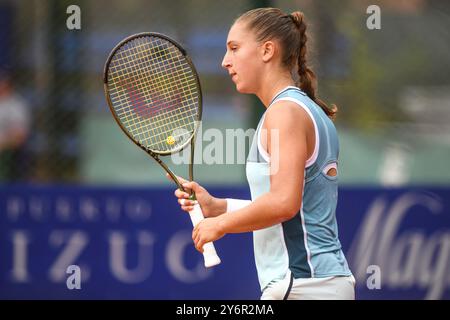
268,50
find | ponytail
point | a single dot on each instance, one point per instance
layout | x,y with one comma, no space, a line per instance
307,79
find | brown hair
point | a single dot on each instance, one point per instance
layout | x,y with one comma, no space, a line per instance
290,31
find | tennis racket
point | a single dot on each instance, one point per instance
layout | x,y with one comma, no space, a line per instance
154,94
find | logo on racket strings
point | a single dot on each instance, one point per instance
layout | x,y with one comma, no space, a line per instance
158,104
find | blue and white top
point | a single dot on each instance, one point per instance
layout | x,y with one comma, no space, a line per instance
307,244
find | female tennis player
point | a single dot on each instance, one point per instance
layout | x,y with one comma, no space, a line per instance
292,166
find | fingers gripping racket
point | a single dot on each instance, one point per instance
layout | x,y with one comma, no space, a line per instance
154,94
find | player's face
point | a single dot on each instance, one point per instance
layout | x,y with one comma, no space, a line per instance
242,58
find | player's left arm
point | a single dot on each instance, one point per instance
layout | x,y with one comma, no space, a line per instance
288,158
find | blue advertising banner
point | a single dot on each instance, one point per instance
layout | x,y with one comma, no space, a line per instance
135,243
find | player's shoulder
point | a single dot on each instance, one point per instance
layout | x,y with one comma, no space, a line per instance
286,113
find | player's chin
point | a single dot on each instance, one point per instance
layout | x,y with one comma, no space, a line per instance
242,88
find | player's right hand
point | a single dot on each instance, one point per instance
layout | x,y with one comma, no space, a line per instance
210,205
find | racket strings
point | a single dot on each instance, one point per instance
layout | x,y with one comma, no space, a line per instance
192,83
154,93
139,125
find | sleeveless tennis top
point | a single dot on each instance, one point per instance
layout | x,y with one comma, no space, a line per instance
307,244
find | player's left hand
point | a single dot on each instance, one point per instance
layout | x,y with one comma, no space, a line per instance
206,231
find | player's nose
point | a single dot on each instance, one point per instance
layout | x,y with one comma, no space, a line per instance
226,63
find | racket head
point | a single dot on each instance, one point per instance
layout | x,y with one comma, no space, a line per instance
154,92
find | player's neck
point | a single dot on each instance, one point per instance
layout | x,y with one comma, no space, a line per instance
272,87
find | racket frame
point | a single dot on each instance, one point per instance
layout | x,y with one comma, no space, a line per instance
154,153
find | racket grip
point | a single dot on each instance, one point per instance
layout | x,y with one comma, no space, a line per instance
209,252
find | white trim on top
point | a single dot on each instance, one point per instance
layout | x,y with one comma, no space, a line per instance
315,154
329,166
274,99
261,149
305,236
305,239
284,247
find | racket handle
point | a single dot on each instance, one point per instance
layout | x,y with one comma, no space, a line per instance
209,252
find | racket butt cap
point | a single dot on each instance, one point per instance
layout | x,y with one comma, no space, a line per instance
211,261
